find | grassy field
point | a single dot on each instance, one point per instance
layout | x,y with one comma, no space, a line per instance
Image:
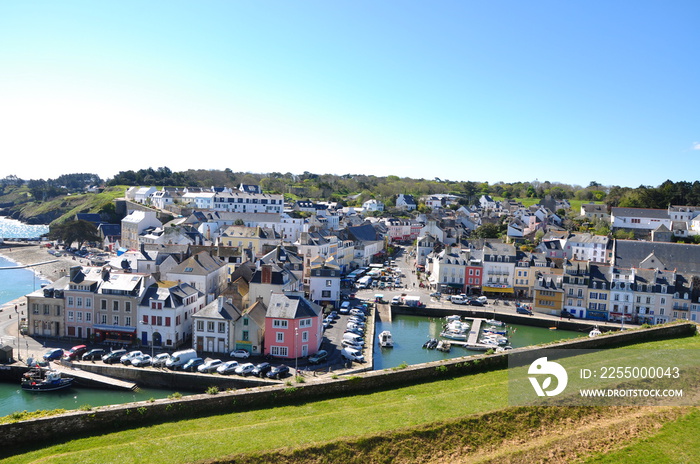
462,419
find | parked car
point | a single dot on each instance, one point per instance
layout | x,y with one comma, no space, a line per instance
352,354
160,359
142,361
354,330
210,366
278,372
180,358
94,354
396,300
113,356
345,307
318,357
245,369
229,367
476,303
437,295
482,299
53,355
193,364
76,352
262,369
351,344
523,310
126,359
240,354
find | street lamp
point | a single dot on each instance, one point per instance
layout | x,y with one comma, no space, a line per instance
296,357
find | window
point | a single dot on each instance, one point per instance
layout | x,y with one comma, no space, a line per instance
79,302
167,321
79,315
329,283
127,307
210,326
103,319
47,309
245,335
245,321
278,351
305,336
71,315
88,302
115,306
103,305
115,320
279,323
127,320
222,327
325,294
279,337
200,326
70,301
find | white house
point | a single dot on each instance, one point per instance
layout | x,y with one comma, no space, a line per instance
406,202
372,205
165,314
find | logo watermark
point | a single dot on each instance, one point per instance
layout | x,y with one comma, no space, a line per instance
592,377
551,370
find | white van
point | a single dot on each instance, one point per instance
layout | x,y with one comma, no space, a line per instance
352,354
180,358
457,299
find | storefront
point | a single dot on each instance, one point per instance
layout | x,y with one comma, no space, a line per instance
115,334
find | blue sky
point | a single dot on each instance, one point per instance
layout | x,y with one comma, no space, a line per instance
508,91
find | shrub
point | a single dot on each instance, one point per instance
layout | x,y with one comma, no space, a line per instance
175,396
213,390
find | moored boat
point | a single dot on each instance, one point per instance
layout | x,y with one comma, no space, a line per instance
40,380
386,340
595,332
495,323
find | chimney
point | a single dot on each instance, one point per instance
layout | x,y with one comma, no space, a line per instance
266,277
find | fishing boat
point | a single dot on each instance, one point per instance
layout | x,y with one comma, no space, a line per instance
454,335
595,332
40,380
495,323
386,340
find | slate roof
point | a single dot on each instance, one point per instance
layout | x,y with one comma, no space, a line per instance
291,307
640,212
632,253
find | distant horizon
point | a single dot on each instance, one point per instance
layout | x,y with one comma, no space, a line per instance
446,180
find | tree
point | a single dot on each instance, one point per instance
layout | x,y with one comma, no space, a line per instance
75,231
487,231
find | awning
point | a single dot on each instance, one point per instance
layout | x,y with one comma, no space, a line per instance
498,289
115,328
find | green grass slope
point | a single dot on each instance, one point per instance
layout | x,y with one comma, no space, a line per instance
461,419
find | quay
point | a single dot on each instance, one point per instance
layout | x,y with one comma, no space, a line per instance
91,379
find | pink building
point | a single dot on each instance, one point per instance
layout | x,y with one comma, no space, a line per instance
293,326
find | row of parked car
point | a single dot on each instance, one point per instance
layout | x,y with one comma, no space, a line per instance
353,336
186,360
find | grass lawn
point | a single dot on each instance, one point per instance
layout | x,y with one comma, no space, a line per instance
676,442
358,417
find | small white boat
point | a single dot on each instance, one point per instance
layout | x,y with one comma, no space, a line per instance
386,340
454,335
453,318
495,323
595,332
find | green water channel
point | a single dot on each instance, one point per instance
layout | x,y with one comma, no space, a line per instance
411,332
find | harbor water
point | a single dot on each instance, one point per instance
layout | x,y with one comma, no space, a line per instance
411,332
